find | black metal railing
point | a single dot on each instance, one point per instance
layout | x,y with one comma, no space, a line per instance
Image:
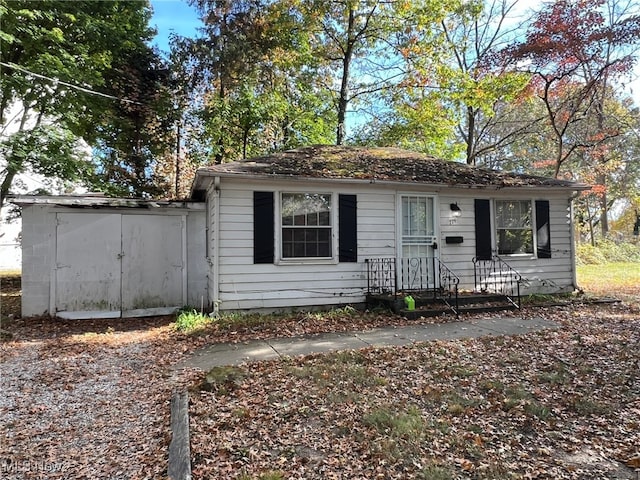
494,275
427,275
416,274
449,282
382,276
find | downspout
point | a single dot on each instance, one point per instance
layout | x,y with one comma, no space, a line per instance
572,242
215,265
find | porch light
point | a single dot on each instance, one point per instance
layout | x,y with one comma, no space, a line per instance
455,210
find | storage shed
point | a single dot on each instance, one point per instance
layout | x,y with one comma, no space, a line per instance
98,257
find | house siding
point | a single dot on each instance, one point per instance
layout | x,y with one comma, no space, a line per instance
540,275
245,285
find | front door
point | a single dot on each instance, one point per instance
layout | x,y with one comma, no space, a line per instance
418,242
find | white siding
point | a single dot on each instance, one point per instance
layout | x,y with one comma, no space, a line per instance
245,285
540,275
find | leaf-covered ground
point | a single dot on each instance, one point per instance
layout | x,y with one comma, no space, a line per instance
91,399
85,399
557,404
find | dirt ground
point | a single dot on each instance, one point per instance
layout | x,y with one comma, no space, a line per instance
10,289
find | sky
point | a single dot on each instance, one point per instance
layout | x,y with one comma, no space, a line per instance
173,16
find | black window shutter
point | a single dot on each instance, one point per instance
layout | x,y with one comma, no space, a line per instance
263,228
347,228
482,211
543,229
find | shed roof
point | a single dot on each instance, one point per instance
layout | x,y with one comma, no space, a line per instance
375,164
99,201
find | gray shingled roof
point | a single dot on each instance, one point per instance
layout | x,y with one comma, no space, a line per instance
380,164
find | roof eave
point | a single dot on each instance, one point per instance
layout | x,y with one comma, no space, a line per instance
203,174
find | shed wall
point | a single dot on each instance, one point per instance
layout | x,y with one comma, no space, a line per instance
39,268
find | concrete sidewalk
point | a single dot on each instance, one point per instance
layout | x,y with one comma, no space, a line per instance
236,353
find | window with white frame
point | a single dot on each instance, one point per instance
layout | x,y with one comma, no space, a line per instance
514,231
306,222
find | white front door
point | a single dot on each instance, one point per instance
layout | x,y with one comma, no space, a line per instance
418,239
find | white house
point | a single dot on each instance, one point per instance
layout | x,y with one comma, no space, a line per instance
315,226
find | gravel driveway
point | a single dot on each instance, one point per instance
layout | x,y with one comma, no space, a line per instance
86,405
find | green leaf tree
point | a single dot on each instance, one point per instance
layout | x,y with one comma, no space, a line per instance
55,58
250,79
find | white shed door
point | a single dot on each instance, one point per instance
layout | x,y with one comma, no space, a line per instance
112,265
152,264
88,269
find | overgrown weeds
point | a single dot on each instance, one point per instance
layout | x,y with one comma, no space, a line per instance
189,321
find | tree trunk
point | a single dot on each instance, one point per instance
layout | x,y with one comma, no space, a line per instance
6,185
245,141
343,100
471,125
178,173
604,209
14,165
559,159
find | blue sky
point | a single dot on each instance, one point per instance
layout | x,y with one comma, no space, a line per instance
172,16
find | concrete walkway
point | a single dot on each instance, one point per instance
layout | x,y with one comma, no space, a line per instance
236,353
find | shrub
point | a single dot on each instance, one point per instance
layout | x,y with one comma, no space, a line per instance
607,252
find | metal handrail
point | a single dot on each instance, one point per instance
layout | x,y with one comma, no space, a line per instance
416,274
382,275
449,282
494,275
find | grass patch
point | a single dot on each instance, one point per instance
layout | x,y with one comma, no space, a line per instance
272,475
400,433
387,420
437,472
609,278
585,406
344,367
607,251
189,321
536,409
557,374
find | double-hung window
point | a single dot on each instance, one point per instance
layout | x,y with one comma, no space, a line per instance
514,231
306,222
